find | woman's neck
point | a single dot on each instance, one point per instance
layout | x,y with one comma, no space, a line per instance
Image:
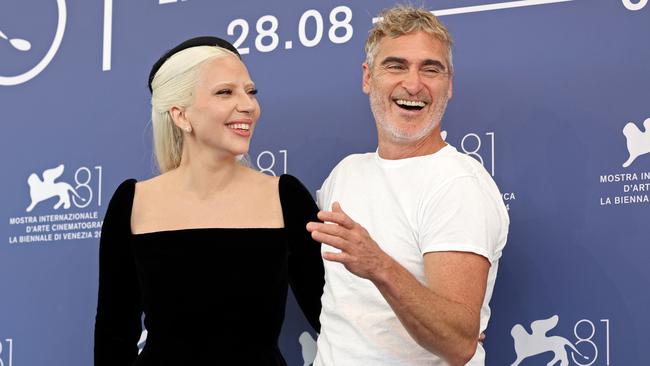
203,178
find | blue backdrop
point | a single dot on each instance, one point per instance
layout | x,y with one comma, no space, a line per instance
551,95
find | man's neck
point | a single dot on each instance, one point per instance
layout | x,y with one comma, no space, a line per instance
390,149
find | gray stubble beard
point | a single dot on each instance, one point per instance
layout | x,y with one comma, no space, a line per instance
400,136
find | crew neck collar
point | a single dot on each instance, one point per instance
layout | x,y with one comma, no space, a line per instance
389,163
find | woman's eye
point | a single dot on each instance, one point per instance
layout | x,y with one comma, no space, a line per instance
224,92
252,92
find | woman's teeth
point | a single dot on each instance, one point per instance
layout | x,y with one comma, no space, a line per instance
240,126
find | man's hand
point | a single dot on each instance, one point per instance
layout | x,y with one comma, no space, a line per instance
360,254
443,316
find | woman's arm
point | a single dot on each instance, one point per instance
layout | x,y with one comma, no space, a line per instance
306,273
117,324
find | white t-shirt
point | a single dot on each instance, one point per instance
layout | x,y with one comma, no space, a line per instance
445,201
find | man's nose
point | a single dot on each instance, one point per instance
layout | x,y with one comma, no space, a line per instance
412,82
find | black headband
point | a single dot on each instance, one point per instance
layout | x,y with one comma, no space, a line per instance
194,42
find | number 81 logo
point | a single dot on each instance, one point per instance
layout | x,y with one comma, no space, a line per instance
585,340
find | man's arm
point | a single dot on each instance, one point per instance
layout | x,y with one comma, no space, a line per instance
443,316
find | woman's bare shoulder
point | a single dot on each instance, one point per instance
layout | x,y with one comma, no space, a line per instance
153,184
262,180
149,192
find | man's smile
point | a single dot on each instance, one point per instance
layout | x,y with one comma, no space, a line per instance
410,105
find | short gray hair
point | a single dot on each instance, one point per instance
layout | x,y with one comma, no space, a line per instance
405,19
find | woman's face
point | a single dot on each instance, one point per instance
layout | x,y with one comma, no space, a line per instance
224,109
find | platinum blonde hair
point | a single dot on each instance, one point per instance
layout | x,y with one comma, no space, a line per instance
173,86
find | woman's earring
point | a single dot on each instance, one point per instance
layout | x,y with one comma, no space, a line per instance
188,129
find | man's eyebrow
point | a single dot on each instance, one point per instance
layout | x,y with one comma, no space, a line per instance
403,61
393,59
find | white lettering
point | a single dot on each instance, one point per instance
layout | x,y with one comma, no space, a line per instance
68,217
509,196
621,200
38,228
641,187
22,220
34,238
77,225
78,235
622,177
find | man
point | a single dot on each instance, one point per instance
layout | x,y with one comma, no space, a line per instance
412,243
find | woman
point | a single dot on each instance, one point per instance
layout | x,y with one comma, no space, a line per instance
207,248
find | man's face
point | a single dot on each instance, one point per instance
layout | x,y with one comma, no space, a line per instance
409,86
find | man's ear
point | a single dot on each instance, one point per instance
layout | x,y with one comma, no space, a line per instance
365,84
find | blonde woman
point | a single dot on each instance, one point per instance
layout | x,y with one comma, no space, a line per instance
207,249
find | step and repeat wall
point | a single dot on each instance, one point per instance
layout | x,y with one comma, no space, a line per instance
552,96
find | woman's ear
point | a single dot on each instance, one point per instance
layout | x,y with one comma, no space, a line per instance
180,118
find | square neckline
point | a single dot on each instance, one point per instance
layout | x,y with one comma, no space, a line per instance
188,230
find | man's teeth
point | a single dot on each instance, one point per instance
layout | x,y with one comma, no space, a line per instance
240,126
411,103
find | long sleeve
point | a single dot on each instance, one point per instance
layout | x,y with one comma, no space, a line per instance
306,274
117,324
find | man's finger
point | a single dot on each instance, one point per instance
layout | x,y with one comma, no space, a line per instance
331,240
331,229
340,216
337,218
336,257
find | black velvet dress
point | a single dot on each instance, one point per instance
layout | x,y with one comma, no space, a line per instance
213,296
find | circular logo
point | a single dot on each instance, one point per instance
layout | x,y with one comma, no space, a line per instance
634,6
23,45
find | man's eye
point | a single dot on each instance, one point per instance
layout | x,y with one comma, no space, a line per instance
395,67
433,71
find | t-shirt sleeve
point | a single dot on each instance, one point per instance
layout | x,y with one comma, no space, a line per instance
323,195
460,216
306,273
117,323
